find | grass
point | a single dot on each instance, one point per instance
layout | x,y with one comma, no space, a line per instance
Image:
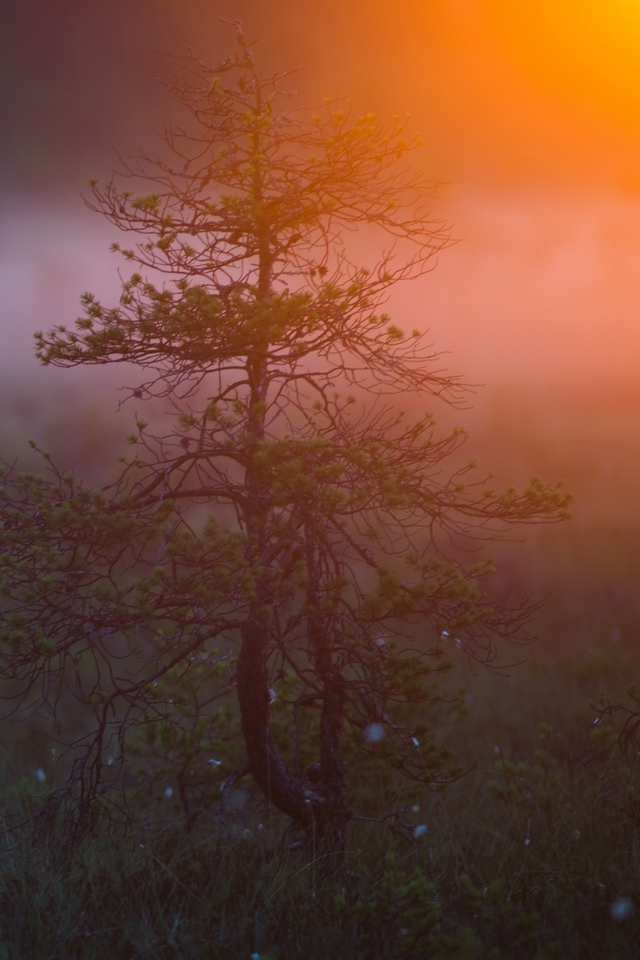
534,853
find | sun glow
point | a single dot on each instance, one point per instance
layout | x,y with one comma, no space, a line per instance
588,51
548,84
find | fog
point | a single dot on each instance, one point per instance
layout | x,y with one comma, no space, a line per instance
532,122
541,296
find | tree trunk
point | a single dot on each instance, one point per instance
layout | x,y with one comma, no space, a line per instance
332,771
320,807
267,767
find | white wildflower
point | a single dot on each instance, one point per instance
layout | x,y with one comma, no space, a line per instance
373,733
214,763
168,792
419,831
415,808
40,775
621,908
415,742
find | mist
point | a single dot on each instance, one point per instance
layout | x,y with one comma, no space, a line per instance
536,307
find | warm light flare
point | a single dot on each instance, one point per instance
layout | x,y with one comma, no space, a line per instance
550,89
582,50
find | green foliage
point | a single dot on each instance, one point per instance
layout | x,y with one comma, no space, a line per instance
181,757
397,921
529,788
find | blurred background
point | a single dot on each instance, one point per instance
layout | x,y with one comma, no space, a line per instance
530,114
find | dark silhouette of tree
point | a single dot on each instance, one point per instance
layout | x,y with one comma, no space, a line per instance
291,525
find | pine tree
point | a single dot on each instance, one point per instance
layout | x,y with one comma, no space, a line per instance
289,525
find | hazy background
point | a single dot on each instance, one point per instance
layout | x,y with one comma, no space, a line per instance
531,114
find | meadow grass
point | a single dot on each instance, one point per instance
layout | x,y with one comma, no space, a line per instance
533,853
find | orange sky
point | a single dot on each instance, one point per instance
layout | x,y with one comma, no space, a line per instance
531,110
502,90
562,80
525,90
